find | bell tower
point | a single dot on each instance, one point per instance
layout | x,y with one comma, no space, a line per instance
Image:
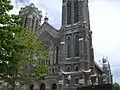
31,17
77,54
74,11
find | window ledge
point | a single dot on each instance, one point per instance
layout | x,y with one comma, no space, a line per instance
76,57
68,58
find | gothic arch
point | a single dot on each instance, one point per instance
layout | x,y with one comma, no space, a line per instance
68,68
69,46
42,86
76,67
54,86
76,45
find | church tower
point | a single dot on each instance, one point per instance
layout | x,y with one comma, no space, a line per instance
74,11
77,53
31,17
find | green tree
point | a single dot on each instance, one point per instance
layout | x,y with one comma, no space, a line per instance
20,53
116,86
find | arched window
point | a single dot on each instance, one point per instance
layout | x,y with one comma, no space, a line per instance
42,86
25,22
57,52
76,68
53,70
56,70
76,45
33,22
68,68
36,25
68,47
54,87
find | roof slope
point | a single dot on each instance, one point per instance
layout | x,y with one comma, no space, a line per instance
50,29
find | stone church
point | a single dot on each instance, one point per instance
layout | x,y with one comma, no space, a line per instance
72,61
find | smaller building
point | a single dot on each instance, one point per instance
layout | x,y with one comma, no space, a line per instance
104,75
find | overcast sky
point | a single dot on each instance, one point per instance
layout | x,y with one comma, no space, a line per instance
104,18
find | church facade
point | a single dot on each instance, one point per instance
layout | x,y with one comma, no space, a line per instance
72,61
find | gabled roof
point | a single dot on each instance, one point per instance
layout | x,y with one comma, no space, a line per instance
98,67
50,29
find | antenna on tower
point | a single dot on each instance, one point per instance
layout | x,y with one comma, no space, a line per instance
46,18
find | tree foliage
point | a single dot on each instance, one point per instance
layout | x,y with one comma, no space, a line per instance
20,53
116,86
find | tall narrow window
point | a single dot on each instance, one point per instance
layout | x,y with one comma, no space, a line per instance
56,69
68,12
76,68
33,22
54,60
21,22
49,61
76,45
85,50
77,80
81,10
46,63
68,47
57,50
67,81
36,25
81,47
53,70
68,68
76,13
25,23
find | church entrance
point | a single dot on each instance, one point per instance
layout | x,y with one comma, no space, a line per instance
31,87
54,87
42,86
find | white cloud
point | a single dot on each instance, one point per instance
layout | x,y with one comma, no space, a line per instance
105,19
105,27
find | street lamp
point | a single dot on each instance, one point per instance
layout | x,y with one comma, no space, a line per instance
69,78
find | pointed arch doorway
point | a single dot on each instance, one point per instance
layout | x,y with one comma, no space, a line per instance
42,86
54,87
